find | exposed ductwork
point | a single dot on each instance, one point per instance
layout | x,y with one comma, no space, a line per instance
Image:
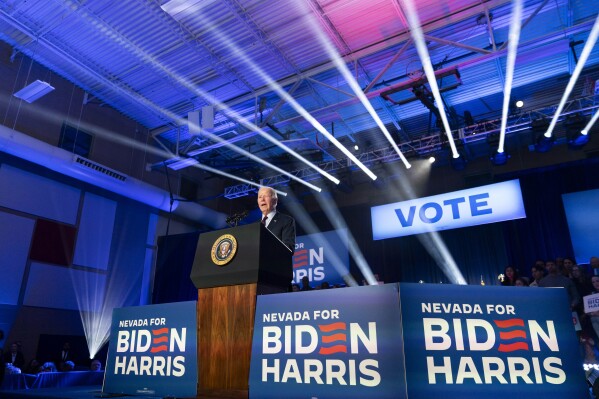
33,150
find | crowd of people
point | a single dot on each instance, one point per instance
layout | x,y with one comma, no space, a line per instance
579,281
13,362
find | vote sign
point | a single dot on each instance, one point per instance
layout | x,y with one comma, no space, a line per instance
480,205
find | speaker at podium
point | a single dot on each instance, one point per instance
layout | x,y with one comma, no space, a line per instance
232,266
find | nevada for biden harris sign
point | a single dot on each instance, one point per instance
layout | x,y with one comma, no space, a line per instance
480,205
499,342
153,351
336,343
448,341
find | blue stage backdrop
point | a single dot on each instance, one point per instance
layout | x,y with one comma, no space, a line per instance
153,351
322,257
448,342
340,343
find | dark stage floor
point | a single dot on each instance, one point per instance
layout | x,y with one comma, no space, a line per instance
90,392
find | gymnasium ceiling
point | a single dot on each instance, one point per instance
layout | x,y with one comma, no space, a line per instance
157,61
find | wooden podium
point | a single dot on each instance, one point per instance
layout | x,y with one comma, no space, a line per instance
230,268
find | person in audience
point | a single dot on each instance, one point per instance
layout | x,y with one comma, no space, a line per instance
520,282
568,264
68,366
588,346
49,367
509,276
63,356
96,365
14,357
33,367
295,287
540,264
594,264
580,279
537,272
306,284
555,278
559,262
595,315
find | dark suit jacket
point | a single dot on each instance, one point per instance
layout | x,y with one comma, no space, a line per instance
283,227
19,360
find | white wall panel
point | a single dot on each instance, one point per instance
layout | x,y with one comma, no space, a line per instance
38,195
94,237
62,288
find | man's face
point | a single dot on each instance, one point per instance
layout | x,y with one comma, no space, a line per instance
594,262
14,348
540,264
537,273
266,202
551,267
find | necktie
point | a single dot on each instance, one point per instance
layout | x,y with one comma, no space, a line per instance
264,220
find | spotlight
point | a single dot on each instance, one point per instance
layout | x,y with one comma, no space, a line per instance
431,160
544,144
519,104
577,136
356,147
539,128
578,140
460,162
500,158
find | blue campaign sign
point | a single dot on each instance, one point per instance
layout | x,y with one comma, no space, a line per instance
500,342
321,257
474,206
338,343
153,351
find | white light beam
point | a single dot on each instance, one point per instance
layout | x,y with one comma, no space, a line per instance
586,51
420,44
513,39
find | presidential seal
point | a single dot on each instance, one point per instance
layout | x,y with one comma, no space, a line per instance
224,249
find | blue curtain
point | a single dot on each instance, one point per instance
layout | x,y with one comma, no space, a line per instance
173,267
544,233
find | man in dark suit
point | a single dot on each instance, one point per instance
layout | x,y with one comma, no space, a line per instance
14,356
281,225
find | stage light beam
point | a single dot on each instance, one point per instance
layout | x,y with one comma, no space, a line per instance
420,43
155,62
308,225
513,39
330,209
586,51
285,96
352,82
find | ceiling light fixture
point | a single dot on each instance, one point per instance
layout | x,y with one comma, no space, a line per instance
33,91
